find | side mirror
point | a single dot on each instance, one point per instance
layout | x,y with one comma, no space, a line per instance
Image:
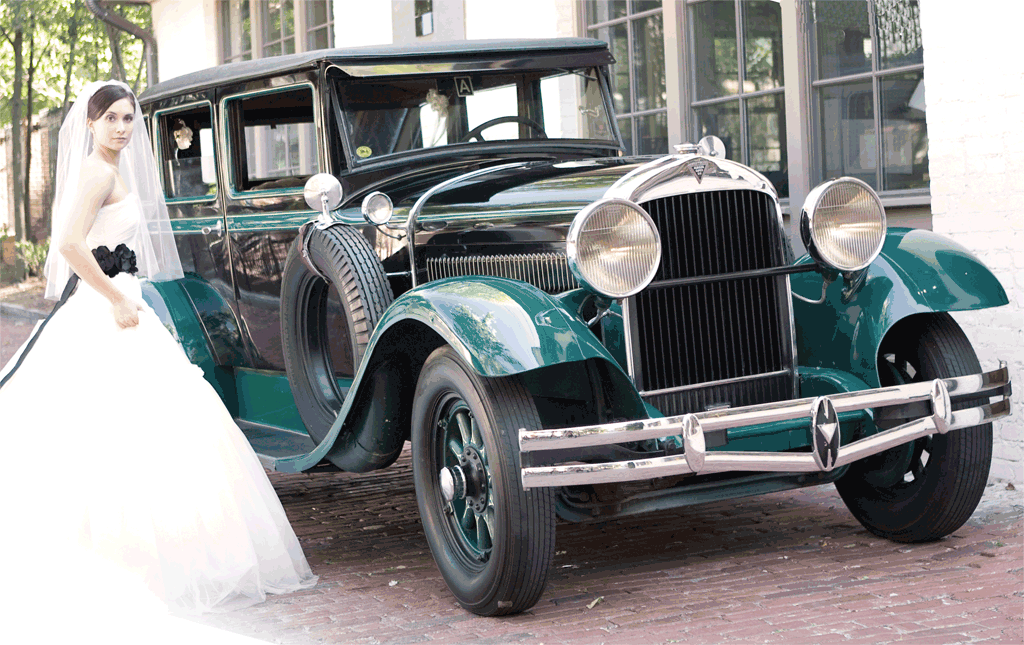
323,193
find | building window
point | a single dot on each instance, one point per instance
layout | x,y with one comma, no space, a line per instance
236,31
635,34
278,27
737,86
261,28
424,11
869,79
319,24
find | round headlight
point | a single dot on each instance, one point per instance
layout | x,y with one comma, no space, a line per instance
377,208
843,224
613,247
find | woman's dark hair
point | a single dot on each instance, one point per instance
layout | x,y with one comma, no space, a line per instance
105,97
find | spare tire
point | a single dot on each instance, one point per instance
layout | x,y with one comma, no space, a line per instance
320,328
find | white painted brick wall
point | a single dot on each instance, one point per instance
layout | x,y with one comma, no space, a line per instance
974,77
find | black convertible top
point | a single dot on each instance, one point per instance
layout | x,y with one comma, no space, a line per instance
382,60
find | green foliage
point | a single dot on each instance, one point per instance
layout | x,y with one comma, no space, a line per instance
49,22
33,255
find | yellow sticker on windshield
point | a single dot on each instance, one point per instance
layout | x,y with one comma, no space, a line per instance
364,151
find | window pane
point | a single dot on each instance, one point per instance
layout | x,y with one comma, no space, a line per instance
714,31
723,121
235,25
762,44
898,26
287,19
766,139
272,22
279,144
652,133
626,129
316,12
645,5
617,41
604,10
843,37
318,39
186,153
649,63
848,140
904,132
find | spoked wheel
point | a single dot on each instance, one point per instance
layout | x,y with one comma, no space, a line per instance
492,540
929,488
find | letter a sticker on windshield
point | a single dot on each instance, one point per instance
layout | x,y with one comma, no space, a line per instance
464,85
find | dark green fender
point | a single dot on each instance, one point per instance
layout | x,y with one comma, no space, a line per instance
201,321
918,271
500,327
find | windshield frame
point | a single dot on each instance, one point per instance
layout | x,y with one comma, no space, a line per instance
580,146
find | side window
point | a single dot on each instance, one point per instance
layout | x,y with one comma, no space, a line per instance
186,152
277,143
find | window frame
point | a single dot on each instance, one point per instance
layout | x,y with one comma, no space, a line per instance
808,27
231,146
299,37
634,116
158,137
691,102
224,8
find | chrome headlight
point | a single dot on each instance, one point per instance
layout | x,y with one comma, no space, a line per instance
843,224
613,247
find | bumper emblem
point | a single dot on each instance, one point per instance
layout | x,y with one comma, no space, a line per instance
825,431
693,441
942,413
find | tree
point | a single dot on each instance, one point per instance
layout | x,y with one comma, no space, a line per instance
15,37
49,50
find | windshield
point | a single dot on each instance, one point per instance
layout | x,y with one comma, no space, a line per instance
385,117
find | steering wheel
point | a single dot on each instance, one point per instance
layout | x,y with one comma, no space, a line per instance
475,132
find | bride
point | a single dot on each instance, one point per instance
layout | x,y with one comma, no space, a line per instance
117,449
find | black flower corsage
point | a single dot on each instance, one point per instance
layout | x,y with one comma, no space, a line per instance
122,260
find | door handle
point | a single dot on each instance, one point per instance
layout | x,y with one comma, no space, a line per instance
218,228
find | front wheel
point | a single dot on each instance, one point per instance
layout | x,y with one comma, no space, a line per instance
926,489
492,540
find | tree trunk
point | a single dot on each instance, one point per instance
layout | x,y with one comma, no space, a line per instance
17,197
116,64
32,63
69,67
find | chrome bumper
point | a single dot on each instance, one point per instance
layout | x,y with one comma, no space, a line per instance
821,412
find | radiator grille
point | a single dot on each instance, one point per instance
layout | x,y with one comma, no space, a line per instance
693,334
547,271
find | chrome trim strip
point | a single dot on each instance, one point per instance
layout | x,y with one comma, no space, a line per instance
414,212
629,337
727,381
641,429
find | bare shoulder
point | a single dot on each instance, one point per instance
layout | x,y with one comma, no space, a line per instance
95,171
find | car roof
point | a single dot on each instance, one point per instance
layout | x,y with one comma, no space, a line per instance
386,60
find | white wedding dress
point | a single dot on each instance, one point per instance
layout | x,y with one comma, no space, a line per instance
116,447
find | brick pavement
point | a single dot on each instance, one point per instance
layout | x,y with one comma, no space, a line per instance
791,567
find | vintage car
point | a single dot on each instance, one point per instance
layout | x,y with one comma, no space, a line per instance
444,244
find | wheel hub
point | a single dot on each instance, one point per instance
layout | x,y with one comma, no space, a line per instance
466,481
